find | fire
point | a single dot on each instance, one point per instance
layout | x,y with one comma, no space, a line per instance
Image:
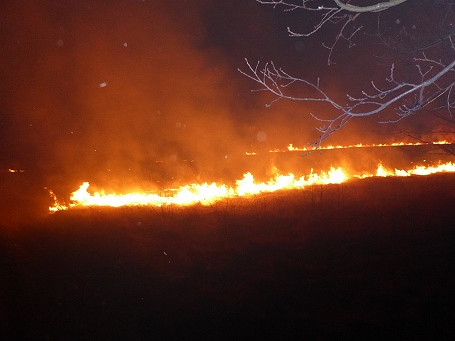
247,185
207,194
292,148
417,170
10,170
185,195
57,205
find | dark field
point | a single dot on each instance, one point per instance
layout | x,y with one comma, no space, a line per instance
370,259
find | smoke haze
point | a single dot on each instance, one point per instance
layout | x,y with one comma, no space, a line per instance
103,89
128,94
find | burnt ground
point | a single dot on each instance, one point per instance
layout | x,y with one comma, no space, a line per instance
372,259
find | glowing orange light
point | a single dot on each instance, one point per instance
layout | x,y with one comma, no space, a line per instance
57,205
206,193
15,170
292,148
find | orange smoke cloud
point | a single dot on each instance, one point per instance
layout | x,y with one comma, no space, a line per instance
109,89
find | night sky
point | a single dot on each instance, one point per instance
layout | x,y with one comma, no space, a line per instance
110,87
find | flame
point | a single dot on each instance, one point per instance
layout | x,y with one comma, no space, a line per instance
417,170
10,170
207,194
185,195
292,148
57,205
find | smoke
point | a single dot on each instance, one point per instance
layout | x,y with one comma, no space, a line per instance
128,94
115,92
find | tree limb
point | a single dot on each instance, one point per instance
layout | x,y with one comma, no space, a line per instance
373,8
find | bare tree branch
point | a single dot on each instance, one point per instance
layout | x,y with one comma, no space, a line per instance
413,96
428,82
446,148
380,6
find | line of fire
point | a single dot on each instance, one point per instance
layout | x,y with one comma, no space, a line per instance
207,193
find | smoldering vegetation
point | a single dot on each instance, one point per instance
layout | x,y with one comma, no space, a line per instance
371,258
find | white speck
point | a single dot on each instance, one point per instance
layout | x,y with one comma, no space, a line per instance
225,156
397,21
125,44
165,253
103,85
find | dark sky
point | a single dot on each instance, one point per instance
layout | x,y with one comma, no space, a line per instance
102,85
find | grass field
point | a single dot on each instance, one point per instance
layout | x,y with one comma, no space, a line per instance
372,258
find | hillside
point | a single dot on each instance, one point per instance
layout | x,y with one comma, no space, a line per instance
372,258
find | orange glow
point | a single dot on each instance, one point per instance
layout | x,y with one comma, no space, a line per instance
15,170
207,194
382,171
292,148
57,206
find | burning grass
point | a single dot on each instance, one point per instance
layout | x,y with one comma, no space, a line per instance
371,257
292,148
207,194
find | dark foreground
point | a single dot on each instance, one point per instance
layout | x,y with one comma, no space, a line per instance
370,259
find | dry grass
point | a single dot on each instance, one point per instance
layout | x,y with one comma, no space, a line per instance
371,258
